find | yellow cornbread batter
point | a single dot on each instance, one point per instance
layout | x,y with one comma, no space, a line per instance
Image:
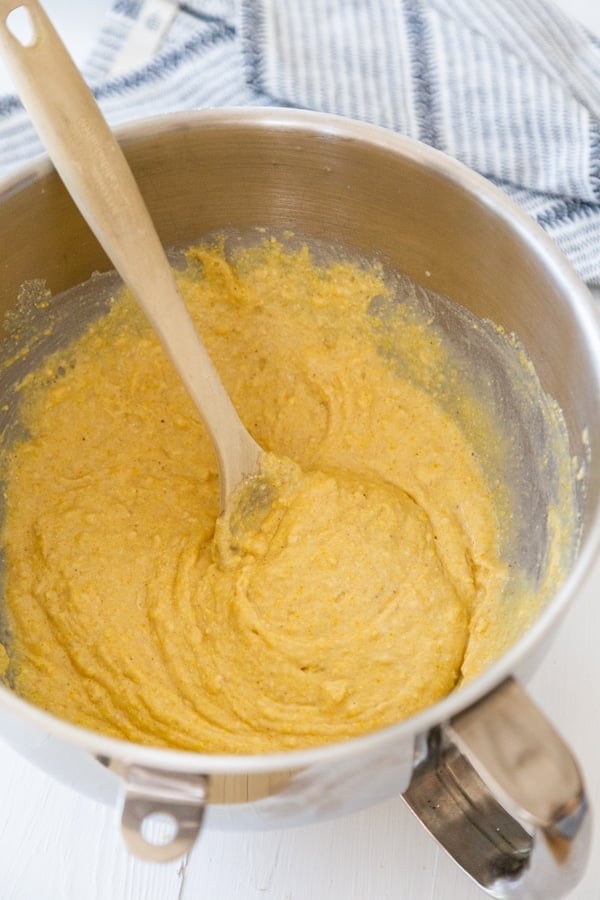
343,606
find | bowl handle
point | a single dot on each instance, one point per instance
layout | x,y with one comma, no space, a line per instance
501,792
161,812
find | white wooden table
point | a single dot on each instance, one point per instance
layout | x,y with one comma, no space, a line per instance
58,845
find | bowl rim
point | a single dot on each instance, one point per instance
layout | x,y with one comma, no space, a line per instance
532,236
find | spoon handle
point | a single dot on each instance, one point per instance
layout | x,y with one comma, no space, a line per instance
94,169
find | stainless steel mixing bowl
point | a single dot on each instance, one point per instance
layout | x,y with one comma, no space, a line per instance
483,769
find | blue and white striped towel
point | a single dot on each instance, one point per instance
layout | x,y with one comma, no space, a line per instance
510,87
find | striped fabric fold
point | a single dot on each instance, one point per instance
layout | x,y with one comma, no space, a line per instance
509,87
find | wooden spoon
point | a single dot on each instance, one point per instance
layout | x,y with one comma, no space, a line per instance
98,178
